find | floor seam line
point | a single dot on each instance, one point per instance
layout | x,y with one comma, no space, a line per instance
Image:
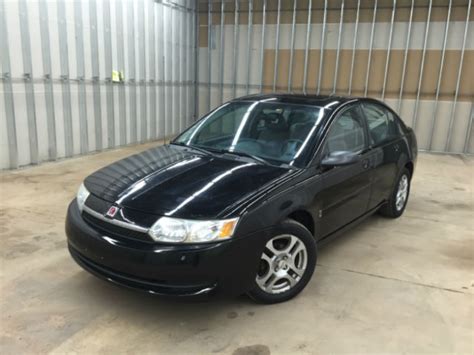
395,279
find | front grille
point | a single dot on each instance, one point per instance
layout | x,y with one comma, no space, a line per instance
114,230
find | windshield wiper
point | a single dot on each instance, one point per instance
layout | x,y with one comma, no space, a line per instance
223,151
248,155
192,147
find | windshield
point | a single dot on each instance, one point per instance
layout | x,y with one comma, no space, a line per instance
275,132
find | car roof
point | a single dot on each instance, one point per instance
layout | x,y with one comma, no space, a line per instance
331,102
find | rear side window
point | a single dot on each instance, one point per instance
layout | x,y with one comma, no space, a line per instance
383,125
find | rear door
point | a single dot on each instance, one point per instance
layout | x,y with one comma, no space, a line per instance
346,191
386,143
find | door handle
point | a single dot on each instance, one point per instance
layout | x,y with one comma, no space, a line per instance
396,147
365,164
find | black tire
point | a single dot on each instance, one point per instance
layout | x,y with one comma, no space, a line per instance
295,229
390,209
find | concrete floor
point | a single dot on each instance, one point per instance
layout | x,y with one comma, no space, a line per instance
403,285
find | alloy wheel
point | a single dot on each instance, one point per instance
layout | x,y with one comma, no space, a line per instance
282,264
402,193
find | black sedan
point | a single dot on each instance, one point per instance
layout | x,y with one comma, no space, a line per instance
241,200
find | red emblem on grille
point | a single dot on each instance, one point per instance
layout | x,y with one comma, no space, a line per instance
112,212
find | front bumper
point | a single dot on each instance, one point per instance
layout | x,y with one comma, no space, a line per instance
226,267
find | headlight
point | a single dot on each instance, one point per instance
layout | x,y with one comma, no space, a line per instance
82,195
175,230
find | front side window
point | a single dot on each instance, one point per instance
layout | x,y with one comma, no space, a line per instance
383,125
346,133
276,132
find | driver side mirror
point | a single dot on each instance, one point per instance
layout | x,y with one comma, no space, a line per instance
340,158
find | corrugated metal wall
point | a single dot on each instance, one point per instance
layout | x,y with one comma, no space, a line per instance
415,55
57,97
57,58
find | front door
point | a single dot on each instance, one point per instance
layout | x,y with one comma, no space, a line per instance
346,190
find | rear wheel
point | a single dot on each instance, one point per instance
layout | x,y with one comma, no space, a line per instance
399,197
286,264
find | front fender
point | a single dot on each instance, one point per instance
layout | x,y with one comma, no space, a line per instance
295,195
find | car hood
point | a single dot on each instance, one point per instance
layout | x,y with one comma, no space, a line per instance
174,181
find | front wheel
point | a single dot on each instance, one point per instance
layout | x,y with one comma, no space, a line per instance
286,264
399,196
